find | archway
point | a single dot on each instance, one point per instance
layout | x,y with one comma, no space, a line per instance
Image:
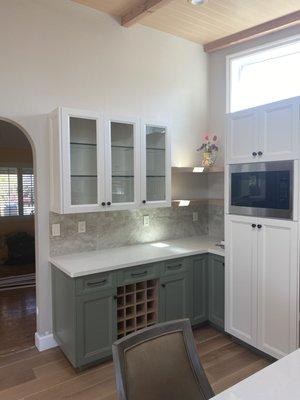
17,238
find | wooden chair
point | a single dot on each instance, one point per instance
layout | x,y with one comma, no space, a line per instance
160,363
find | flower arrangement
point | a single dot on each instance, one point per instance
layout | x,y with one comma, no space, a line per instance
209,147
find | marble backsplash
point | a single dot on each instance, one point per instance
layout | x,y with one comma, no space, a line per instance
121,228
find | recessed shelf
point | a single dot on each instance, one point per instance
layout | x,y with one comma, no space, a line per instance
83,144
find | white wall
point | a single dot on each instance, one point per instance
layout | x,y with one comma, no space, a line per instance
60,53
217,82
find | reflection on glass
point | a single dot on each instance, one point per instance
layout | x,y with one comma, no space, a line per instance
122,160
155,163
83,137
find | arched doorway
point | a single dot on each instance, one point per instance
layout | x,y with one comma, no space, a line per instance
17,239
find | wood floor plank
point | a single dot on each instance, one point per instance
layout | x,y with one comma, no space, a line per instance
31,375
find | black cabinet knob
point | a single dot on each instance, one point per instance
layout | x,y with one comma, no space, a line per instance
115,297
144,201
254,154
103,203
260,153
163,285
108,203
259,226
253,225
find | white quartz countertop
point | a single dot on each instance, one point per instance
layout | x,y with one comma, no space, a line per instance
92,262
278,381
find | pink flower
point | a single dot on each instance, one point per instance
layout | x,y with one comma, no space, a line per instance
206,137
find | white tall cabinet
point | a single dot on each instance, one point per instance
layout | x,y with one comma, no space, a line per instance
262,283
262,255
100,163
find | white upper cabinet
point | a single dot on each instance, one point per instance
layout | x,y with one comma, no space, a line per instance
155,165
107,164
242,138
122,163
266,133
279,130
76,161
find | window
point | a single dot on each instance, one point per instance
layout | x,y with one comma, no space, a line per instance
16,191
264,75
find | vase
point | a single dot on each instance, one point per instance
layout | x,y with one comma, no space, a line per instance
208,160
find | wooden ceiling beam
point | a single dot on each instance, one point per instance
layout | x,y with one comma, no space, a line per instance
140,10
250,33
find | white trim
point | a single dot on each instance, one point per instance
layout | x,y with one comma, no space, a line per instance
256,49
44,342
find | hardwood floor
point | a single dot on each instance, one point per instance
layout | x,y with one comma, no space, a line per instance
17,319
29,375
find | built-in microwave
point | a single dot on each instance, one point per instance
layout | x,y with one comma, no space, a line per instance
263,189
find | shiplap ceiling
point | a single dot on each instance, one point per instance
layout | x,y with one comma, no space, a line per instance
202,24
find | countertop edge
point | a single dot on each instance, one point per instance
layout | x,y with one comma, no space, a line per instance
135,263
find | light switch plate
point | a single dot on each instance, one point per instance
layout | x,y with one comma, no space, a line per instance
195,216
146,220
55,229
81,227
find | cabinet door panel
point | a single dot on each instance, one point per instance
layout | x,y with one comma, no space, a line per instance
155,165
200,293
174,297
277,279
242,136
122,163
241,278
279,130
216,290
97,327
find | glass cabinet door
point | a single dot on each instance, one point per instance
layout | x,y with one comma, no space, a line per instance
85,161
157,165
122,182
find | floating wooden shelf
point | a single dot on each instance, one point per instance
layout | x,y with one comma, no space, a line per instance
137,306
181,170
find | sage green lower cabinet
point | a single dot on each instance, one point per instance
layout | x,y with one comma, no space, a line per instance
175,290
216,290
199,265
84,316
96,326
86,309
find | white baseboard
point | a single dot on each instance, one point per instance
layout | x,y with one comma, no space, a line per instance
44,342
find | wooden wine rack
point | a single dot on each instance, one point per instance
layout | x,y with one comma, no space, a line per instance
137,306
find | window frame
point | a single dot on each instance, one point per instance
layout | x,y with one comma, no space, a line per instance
248,52
19,168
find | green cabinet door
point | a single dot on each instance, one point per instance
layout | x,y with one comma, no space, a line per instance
175,297
200,289
96,326
216,290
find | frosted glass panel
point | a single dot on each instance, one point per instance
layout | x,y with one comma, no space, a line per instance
122,159
156,163
83,148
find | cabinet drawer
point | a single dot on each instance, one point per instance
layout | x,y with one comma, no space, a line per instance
94,283
137,274
175,266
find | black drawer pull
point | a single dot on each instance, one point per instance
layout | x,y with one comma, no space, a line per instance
163,285
135,274
260,153
97,283
254,154
253,225
259,226
223,264
174,266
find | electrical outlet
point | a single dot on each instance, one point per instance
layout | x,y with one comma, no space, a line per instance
146,220
195,216
81,227
55,229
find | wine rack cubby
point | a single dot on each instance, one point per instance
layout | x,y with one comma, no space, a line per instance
137,306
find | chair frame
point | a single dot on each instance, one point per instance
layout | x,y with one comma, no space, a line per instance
121,346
